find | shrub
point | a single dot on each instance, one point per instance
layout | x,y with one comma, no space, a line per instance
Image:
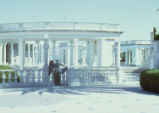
3,67
156,37
149,80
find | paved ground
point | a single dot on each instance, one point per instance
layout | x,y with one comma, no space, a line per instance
123,98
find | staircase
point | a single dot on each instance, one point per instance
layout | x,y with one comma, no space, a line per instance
130,74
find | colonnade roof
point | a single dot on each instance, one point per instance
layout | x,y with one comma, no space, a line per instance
59,26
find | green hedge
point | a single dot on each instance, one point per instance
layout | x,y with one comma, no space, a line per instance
4,67
149,80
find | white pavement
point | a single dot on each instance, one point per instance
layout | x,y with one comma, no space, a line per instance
124,98
98,99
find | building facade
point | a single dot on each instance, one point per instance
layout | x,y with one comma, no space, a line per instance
135,52
73,44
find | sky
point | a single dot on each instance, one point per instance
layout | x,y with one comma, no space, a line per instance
136,17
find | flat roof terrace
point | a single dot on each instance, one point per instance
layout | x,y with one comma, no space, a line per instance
59,26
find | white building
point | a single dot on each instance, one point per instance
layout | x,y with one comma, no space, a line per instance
135,52
22,43
89,49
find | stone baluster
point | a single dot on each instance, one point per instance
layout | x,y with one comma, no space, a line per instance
33,77
39,76
3,77
15,78
27,78
9,77
21,77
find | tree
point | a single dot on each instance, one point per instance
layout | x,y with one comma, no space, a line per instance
154,31
156,35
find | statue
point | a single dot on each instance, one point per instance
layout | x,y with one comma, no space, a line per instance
56,70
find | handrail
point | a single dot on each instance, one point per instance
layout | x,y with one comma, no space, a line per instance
49,26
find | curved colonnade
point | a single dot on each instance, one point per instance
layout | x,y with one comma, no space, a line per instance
74,44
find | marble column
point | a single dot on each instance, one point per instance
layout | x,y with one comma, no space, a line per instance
117,59
91,53
29,54
68,56
4,53
20,52
24,53
119,76
33,54
129,56
12,53
84,58
99,52
88,53
126,57
0,52
42,55
74,53
113,56
38,53
54,50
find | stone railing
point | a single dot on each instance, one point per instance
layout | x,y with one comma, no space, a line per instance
50,26
21,78
73,77
92,76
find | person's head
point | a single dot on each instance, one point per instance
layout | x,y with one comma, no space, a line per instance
51,62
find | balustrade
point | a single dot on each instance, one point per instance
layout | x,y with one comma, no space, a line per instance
73,26
21,78
33,77
91,76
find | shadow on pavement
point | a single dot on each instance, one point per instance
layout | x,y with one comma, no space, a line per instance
83,90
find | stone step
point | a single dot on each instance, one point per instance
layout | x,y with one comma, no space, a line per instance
131,69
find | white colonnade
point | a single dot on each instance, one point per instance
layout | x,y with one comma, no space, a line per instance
30,53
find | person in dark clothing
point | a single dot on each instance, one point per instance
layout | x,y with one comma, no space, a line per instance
51,65
57,71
